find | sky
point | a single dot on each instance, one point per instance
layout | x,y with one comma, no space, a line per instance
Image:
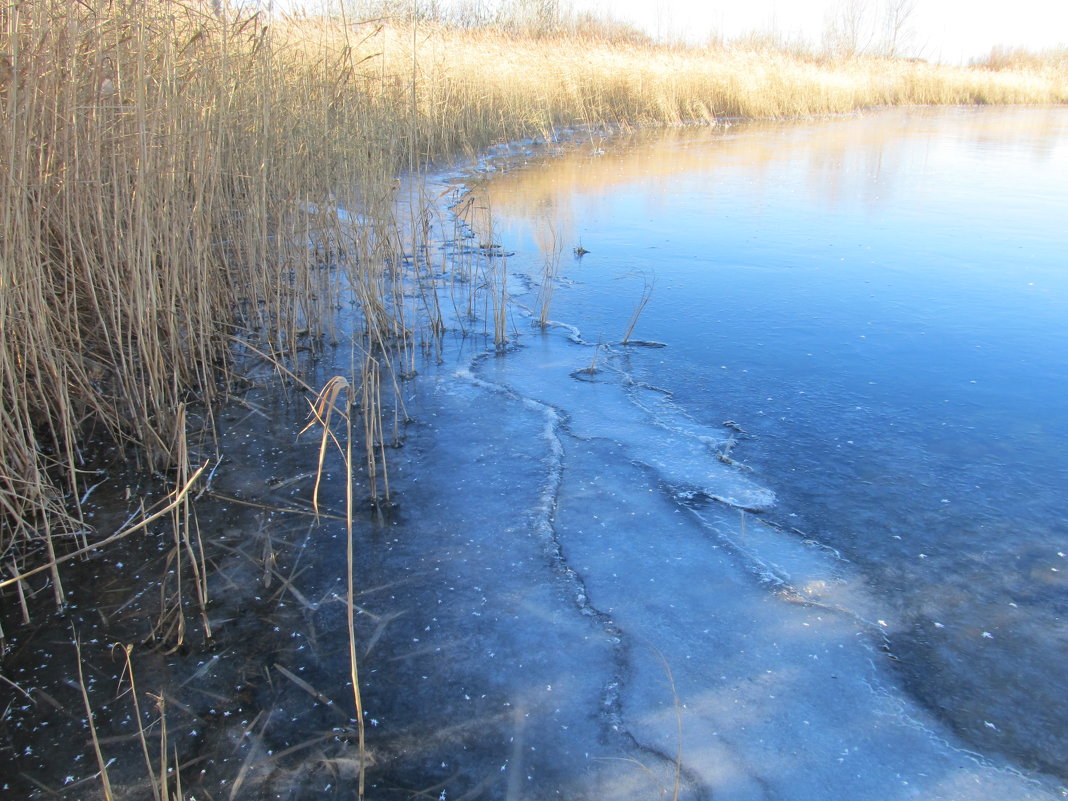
951,31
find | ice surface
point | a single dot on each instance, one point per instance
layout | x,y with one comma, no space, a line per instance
607,403
780,667
893,344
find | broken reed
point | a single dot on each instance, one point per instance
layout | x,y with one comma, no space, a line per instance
170,178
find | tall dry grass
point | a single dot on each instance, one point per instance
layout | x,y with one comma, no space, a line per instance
164,171
171,179
1020,59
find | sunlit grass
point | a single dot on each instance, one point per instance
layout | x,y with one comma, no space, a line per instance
1052,61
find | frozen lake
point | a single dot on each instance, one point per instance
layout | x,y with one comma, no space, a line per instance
803,537
866,330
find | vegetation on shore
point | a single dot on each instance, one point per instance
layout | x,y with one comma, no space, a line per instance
171,175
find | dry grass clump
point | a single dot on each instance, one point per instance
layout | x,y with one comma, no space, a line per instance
473,79
678,85
1021,59
172,179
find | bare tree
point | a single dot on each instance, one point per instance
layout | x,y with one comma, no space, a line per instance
898,33
869,26
540,17
847,31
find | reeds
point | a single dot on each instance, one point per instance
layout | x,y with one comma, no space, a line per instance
102,764
159,780
647,294
551,249
1052,61
175,179
338,389
159,166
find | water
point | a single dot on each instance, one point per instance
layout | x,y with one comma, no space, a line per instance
801,538
881,304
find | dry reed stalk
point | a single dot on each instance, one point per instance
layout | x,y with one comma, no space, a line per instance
177,498
322,412
185,549
591,368
552,249
499,293
171,622
643,301
23,606
101,763
164,755
371,398
159,791
350,605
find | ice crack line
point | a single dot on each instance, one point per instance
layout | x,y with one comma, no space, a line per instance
544,525
544,513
